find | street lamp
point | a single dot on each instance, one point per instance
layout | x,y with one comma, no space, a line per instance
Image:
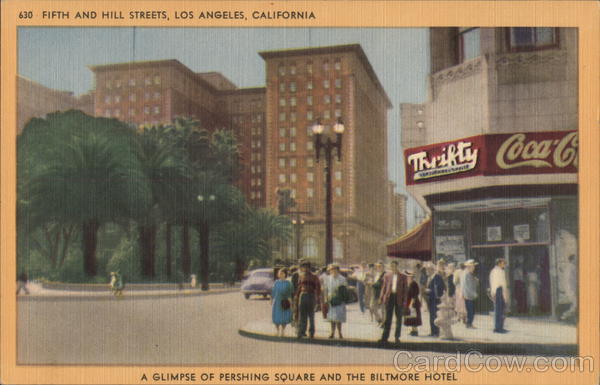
328,146
298,222
203,237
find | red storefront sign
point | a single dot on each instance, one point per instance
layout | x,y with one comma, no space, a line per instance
496,154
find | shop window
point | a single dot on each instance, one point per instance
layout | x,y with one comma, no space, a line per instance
528,39
469,44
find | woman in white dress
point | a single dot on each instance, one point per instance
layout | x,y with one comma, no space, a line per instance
335,292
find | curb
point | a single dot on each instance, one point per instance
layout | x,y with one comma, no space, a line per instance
440,347
126,295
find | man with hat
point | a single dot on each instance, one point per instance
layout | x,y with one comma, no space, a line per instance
499,294
308,293
469,285
435,290
393,297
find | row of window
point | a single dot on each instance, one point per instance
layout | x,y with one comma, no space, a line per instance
309,100
255,169
255,195
283,116
109,99
292,162
310,192
254,118
309,85
292,146
310,176
256,144
133,82
256,182
148,110
291,68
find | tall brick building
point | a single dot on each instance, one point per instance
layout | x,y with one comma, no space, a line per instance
329,83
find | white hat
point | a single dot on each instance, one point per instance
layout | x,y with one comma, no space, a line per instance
471,262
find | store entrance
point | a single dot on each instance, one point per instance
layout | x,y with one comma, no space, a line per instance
529,279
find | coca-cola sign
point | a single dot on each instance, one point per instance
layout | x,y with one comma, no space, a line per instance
496,154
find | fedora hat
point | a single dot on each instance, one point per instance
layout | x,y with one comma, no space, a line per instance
471,262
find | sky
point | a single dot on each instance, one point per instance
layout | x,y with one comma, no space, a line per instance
59,58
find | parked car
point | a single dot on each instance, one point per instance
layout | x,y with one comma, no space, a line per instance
259,281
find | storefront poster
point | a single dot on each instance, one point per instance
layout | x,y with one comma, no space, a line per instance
521,232
494,233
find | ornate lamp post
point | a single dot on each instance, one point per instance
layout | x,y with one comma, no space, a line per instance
328,145
203,234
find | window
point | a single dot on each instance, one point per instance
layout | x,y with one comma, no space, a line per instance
156,110
468,44
118,83
131,82
282,87
292,131
310,177
259,182
309,115
309,100
292,116
309,145
338,113
293,178
309,67
292,146
253,182
326,65
117,98
282,116
107,99
293,193
258,195
326,83
156,79
157,95
282,132
327,99
293,101
109,84
338,175
281,162
338,64
310,192
292,86
281,70
258,144
252,196
281,102
309,131
147,81
132,97
253,144
338,98
338,191
338,83
326,114
147,110
282,147
523,39
338,249
253,170
309,248
309,85
293,69
281,178
310,162
292,162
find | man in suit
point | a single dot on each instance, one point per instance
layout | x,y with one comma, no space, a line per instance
306,297
499,292
435,291
393,295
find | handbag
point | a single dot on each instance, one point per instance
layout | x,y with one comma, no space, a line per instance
285,304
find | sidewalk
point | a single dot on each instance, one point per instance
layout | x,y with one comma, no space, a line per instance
527,336
38,292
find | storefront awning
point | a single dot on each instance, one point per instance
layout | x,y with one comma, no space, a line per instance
416,244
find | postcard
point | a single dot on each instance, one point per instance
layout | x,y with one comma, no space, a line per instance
315,192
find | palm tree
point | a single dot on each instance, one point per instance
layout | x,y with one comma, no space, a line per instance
81,170
163,169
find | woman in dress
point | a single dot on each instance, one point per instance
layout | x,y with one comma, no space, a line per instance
335,289
413,304
281,299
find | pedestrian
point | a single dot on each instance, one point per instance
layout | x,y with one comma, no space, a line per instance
413,304
336,294
459,300
469,284
571,287
116,283
435,290
307,294
281,297
533,289
519,292
22,283
376,308
427,272
499,294
358,275
450,269
393,297
369,271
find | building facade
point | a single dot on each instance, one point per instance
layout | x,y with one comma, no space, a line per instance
327,84
36,101
493,155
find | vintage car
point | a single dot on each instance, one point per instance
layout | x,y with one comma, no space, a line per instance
259,281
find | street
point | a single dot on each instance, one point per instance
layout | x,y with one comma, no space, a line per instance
187,330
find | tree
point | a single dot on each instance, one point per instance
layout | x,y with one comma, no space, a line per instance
77,169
